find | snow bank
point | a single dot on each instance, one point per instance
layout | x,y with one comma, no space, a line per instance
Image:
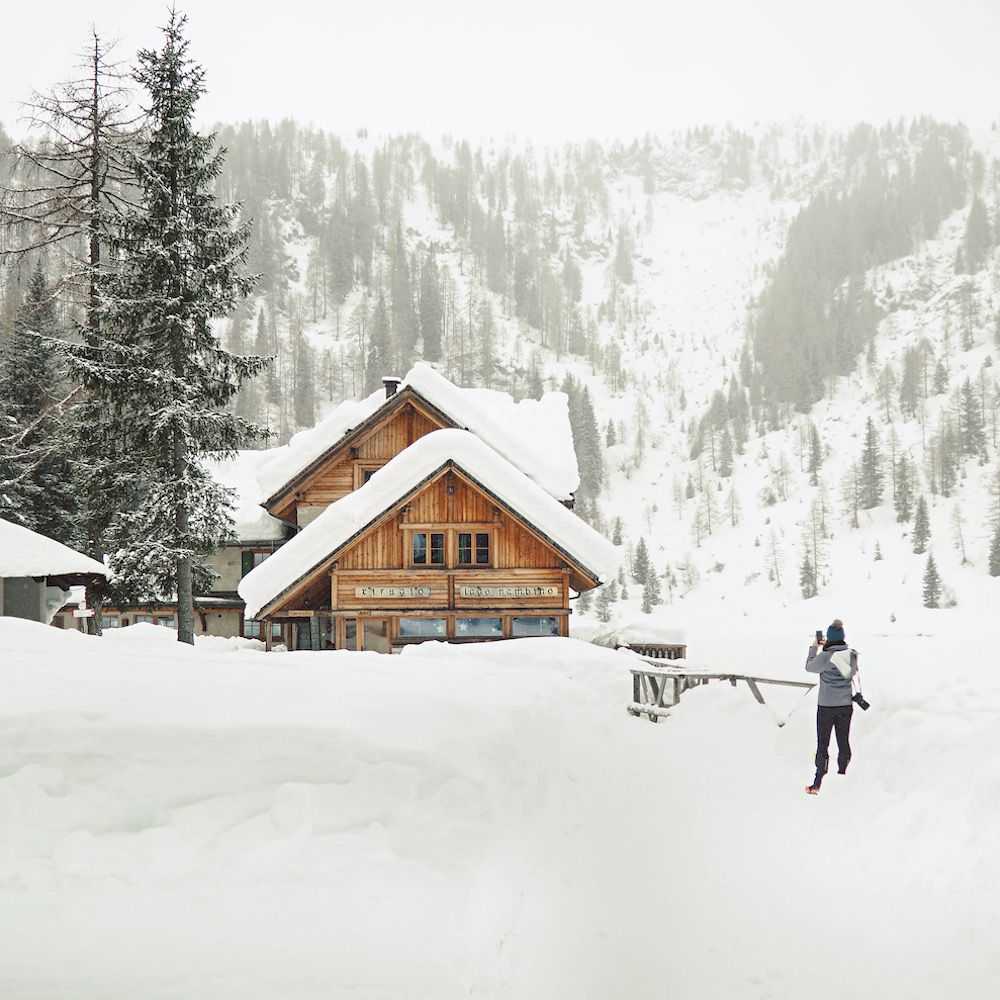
485,821
349,515
27,553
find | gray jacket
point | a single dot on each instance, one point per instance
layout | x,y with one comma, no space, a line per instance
834,686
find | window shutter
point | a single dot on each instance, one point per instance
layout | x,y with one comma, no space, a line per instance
247,562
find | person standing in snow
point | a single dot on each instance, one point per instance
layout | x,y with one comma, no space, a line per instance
836,665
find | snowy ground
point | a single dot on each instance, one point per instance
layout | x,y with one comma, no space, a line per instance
489,822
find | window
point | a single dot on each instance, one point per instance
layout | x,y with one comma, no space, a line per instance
366,474
428,548
478,628
524,626
109,621
143,619
423,628
167,621
259,557
254,630
473,548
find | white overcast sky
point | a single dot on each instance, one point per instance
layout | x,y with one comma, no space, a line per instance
543,68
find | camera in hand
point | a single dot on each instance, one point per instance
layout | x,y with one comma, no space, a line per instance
819,635
862,704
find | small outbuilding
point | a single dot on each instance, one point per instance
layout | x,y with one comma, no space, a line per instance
36,572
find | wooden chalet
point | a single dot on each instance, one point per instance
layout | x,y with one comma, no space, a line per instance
413,528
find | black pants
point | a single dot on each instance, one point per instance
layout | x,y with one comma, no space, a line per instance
828,719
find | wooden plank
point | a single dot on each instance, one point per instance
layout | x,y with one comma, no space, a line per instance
752,684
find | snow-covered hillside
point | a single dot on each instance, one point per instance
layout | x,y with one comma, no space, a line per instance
668,245
218,823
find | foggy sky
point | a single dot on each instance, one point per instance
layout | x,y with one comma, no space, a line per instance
544,68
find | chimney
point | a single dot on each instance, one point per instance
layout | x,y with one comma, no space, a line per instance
391,383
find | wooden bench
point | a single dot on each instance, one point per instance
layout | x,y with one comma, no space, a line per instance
656,689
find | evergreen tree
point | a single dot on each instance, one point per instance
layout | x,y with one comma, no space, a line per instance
604,604
640,562
163,381
616,534
932,584
651,595
904,490
377,358
583,601
921,527
726,454
815,455
971,435
878,552
871,474
624,252
807,576
609,436
978,236
36,471
995,553
431,310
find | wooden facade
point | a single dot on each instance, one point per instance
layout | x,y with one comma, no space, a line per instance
448,561
347,465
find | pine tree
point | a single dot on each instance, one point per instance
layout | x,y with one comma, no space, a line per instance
609,435
604,604
377,357
978,236
871,474
815,455
807,576
904,491
878,552
651,592
921,527
995,553
36,467
640,562
971,435
431,309
726,454
163,381
932,584
616,534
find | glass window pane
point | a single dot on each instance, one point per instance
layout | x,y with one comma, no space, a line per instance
377,635
437,548
166,622
277,632
259,557
109,621
366,474
423,628
251,629
351,633
482,628
419,547
482,548
523,626
465,548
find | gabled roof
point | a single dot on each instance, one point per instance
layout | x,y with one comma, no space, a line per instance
534,435
240,473
346,519
24,552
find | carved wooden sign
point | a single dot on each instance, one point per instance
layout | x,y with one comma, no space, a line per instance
393,592
500,591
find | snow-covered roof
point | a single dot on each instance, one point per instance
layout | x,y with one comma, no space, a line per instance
345,518
27,553
241,474
535,435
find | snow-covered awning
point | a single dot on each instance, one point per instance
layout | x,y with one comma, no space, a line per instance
535,435
24,552
344,520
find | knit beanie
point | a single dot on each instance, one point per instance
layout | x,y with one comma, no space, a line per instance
835,633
